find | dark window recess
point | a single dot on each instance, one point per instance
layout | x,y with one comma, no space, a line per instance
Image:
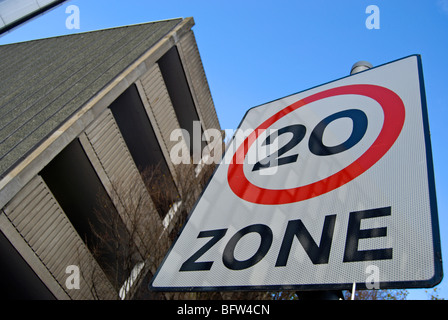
77,188
139,135
177,86
17,279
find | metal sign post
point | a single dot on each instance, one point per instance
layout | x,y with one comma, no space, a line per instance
319,190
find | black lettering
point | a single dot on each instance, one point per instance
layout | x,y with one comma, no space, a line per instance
298,133
228,256
318,254
354,233
316,144
190,264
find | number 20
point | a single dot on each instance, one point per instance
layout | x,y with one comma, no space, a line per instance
315,143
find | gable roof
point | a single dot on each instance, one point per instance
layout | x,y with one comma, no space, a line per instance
43,82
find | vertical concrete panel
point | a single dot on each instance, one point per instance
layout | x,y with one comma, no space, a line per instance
194,70
124,182
160,111
39,219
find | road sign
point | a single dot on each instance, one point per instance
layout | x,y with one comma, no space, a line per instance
319,190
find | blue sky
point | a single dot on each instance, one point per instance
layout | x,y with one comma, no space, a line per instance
258,51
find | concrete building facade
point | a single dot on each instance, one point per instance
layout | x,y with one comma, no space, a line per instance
84,119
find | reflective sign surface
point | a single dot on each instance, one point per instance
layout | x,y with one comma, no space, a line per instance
318,190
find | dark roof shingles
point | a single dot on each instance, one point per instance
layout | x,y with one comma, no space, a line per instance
46,81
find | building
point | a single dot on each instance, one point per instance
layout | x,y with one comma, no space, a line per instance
83,119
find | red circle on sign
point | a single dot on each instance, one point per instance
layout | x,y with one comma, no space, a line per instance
394,115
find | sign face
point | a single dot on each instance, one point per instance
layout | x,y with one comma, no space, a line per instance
319,190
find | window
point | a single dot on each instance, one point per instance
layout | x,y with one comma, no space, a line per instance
78,190
19,282
176,83
139,135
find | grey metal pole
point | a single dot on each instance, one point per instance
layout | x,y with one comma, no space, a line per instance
333,294
320,295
